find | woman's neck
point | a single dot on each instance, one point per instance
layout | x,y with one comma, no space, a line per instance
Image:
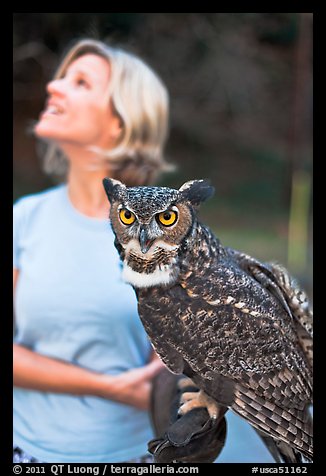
86,170
86,192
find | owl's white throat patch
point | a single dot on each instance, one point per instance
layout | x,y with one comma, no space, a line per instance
142,271
161,276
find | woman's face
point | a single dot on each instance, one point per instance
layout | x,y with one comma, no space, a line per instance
77,111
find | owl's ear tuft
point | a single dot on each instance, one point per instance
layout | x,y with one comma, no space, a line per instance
196,191
114,189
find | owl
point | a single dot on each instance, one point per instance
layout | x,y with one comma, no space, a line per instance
241,330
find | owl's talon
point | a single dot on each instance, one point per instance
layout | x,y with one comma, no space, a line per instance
191,400
185,382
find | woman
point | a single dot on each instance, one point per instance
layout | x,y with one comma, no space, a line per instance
82,362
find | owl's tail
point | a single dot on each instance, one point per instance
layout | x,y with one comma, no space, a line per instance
281,452
290,427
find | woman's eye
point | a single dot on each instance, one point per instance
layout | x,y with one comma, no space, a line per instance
82,82
167,218
126,216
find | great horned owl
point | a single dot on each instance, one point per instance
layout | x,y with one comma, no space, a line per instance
239,328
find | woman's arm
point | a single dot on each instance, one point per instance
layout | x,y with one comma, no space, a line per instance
38,372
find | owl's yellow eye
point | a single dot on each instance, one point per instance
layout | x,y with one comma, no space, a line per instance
167,218
126,216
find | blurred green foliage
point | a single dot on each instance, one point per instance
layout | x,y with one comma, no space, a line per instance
234,81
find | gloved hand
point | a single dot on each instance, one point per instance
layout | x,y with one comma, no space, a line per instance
190,438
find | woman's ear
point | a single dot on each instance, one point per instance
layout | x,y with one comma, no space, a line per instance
116,128
116,123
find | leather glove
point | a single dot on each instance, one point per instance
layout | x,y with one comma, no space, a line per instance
190,438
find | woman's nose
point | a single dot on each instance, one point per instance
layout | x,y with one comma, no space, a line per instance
55,87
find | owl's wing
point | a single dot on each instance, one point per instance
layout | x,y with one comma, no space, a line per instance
279,282
246,334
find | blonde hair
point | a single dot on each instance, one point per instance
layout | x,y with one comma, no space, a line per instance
141,101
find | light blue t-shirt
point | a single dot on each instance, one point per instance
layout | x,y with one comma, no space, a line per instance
71,304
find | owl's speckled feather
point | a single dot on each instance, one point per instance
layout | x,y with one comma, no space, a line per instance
239,328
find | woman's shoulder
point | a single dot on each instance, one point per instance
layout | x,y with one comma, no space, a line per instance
26,208
33,200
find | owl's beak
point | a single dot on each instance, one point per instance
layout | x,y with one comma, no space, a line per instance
144,240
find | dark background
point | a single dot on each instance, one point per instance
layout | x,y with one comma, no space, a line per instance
241,113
